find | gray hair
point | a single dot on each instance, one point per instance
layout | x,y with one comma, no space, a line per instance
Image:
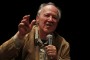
50,3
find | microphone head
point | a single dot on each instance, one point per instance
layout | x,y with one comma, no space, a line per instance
49,36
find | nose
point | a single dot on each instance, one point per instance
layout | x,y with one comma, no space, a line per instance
50,18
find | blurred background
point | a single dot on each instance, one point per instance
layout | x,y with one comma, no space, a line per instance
72,26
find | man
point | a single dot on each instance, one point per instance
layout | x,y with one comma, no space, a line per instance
37,40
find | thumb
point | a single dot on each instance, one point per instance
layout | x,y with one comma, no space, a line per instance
32,23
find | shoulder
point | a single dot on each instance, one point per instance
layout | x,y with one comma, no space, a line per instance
61,39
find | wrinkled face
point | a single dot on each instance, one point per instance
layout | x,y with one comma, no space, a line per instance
48,19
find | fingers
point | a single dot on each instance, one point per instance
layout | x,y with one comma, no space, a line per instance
24,27
32,23
25,20
51,50
27,17
24,24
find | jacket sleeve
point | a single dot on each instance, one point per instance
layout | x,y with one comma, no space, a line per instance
64,51
10,49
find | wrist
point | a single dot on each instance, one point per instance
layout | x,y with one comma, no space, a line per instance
18,40
19,35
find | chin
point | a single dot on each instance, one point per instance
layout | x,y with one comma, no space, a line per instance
48,31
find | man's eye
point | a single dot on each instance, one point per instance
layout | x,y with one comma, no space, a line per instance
47,15
54,17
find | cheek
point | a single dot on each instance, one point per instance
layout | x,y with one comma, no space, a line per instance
42,24
42,21
54,26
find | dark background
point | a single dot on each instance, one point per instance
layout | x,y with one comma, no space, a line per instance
72,26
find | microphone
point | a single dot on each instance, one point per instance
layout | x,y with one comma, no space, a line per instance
49,37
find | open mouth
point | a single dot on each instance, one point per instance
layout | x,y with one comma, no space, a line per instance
49,24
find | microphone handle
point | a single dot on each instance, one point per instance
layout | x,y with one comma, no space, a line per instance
50,41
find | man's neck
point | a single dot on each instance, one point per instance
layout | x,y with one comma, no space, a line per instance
43,35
